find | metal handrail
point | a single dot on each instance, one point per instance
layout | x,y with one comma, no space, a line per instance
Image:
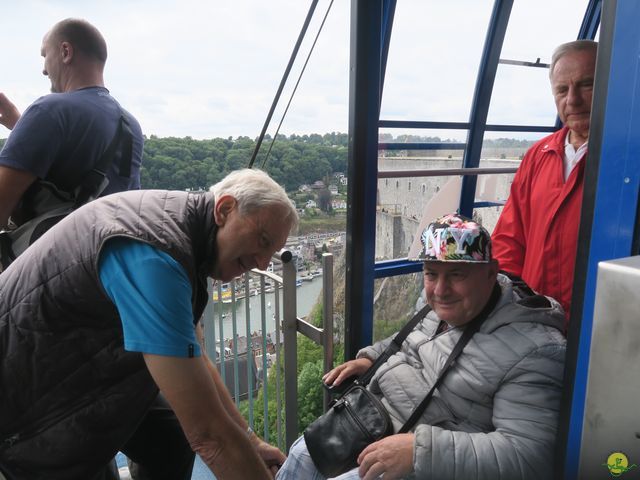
291,326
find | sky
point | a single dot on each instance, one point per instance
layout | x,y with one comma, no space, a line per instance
211,68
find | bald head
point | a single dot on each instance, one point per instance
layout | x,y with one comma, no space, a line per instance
84,37
74,54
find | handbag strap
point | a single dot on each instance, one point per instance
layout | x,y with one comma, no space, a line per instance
394,346
472,327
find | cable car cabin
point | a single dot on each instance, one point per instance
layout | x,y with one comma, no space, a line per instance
480,97
510,43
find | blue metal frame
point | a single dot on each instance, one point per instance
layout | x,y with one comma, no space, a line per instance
388,14
364,111
591,20
392,268
612,184
482,99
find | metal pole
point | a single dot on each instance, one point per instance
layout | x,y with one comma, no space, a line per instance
327,317
364,109
289,322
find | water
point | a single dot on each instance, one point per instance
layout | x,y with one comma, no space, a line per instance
306,297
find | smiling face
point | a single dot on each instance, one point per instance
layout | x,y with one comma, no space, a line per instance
246,241
572,87
458,291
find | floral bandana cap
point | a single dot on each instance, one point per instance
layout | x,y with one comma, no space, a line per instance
455,238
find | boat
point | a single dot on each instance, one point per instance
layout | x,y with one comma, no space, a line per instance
225,294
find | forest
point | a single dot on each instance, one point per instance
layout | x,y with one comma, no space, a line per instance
186,163
181,163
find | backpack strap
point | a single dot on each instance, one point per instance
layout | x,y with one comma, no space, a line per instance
528,297
95,182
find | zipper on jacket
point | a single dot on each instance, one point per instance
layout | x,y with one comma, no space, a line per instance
46,423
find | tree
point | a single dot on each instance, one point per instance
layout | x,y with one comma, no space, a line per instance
324,200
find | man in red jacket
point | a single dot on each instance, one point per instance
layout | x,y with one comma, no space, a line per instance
537,233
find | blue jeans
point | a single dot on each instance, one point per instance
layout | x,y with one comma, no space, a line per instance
299,466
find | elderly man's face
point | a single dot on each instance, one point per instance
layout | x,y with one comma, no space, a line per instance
457,292
572,86
246,241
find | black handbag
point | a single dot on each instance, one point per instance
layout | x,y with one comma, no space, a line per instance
357,418
354,421
44,204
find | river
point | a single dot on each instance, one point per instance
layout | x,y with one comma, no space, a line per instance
306,296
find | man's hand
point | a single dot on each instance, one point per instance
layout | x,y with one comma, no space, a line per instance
9,114
391,456
271,455
346,370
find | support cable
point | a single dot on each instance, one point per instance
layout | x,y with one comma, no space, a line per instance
307,20
284,114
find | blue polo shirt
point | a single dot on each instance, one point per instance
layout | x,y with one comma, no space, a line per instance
152,293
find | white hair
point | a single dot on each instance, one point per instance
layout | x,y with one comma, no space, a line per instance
253,189
569,47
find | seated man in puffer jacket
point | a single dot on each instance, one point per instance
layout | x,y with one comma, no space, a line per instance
495,414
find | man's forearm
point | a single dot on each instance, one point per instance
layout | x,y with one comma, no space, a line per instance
9,114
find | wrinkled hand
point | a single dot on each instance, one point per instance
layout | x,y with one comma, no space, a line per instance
346,370
9,114
392,456
271,456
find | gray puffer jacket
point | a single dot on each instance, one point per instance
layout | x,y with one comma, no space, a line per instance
495,414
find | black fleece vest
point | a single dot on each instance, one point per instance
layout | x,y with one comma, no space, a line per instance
69,393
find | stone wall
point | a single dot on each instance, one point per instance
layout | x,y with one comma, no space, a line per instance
401,201
394,235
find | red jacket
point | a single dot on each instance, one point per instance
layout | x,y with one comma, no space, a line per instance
536,236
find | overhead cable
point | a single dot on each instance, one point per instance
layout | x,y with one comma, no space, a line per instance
284,114
284,79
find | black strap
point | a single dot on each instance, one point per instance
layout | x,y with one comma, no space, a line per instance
472,327
394,346
519,285
95,181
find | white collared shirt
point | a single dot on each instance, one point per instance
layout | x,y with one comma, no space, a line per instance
572,156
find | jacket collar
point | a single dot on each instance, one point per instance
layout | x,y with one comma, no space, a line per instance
555,142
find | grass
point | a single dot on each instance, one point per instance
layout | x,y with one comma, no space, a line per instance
323,223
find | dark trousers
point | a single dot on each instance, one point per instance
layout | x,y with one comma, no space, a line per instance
158,450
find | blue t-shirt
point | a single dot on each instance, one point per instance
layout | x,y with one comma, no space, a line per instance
62,136
153,296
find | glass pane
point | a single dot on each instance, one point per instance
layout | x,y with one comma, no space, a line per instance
522,95
433,59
